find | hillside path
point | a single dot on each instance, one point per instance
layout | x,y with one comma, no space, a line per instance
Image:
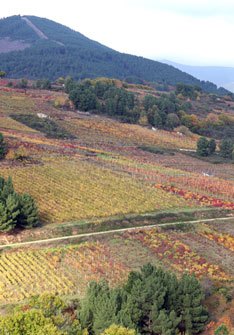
62,238
37,30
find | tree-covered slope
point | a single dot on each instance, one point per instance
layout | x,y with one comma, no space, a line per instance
66,52
16,29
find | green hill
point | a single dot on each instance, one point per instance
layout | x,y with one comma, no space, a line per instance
46,49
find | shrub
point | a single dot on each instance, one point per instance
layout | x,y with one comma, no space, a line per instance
221,330
172,121
45,125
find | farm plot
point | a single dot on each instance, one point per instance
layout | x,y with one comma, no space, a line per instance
183,162
64,271
178,255
9,123
166,176
104,130
68,190
15,103
224,239
68,269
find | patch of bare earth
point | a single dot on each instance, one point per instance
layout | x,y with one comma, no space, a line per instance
7,45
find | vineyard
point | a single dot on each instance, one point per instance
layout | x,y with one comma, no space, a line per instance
64,271
108,169
105,170
95,130
73,190
68,269
178,255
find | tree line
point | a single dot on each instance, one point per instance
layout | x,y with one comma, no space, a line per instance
207,147
152,301
102,96
164,111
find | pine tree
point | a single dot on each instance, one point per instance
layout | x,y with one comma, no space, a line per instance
203,147
194,315
3,148
152,301
226,148
211,146
9,213
166,324
16,210
28,212
5,222
2,182
7,189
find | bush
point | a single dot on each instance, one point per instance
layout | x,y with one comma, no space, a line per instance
221,330
23,83
187,90
19,154
43,84
118,330
172,121
184,131
45,125
47,314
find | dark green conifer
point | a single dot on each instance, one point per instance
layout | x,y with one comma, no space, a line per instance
3,147
28,212
203,147
9,213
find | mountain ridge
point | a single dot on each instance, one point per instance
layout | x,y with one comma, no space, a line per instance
220,75
65,52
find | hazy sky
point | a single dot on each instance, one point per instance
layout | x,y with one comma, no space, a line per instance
187,31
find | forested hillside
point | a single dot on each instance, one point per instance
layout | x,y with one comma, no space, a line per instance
63,52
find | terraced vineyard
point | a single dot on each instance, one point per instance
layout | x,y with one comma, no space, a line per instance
68,269
109,169
95,130
73,190
64,270
105,171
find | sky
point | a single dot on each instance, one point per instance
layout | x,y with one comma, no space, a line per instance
194,32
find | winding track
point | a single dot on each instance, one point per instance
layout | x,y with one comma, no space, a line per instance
62,238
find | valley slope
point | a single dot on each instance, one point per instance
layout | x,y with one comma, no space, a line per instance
110,174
